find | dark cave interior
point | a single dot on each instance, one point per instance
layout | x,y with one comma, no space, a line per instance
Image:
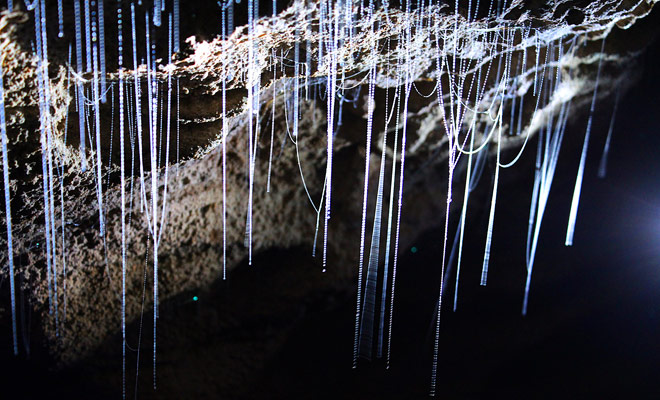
591,331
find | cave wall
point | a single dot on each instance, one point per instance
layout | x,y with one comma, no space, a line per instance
191,252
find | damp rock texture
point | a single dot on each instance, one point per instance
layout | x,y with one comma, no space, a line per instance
433,48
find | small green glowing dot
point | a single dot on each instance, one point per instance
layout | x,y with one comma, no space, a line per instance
413,249
195,298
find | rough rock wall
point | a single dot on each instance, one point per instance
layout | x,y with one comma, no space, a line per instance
190,254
